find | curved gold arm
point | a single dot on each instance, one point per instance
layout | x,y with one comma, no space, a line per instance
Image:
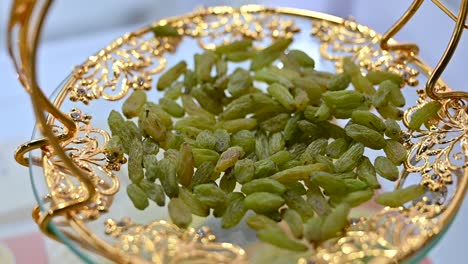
432,83
447,11
410,47
26,20
23,36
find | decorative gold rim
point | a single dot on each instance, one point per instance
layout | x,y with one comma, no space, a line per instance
95,196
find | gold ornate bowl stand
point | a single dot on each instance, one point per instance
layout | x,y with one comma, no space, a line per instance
81,184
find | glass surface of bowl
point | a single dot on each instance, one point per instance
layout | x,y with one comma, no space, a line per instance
100,101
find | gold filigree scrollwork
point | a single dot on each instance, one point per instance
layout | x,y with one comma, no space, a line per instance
215,28
386,236
87,151
162,242
131,61
439,152
362,43
127,63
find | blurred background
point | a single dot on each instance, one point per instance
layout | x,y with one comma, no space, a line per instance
76,29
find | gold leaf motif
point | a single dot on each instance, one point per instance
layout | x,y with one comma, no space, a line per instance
388,235
362,43
127,63
440,150
223,27
162,242
87,151
131,61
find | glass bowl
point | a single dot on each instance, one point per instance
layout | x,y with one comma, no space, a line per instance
112,228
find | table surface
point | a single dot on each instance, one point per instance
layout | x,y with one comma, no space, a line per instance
58,56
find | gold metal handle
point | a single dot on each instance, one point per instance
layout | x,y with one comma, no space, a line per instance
446,10
24,28
433,88
411,47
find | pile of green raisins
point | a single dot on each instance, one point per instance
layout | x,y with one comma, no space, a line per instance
225,141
